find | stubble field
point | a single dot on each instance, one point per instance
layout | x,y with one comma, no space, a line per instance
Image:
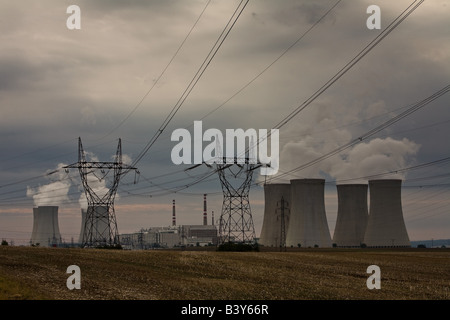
30,273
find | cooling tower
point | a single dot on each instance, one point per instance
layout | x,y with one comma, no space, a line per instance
386,227
352,215
45,226
271,229
308,224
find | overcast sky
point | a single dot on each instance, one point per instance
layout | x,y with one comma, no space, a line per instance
58,84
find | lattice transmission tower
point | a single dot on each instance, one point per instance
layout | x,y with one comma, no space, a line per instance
283,206
236,221
100,228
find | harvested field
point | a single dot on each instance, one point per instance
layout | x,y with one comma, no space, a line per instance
32,273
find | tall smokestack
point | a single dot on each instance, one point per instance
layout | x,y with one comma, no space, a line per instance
205,214
174,219
386,227
212,218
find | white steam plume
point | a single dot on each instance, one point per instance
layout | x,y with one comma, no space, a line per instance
373,158
323,134
54,193
97,181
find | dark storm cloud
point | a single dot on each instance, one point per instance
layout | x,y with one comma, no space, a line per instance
57,85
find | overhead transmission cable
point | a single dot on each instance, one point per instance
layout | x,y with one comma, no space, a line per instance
274,61
394,24
160,75
396,171
336,77
140,101
372,132
411,8
232,21
270,65
190,87
397,21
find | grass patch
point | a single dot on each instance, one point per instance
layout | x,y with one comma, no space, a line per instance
238,247
13,289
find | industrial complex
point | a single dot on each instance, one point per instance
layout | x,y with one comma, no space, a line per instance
294,216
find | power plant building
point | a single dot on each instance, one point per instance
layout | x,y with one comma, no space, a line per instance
308,226
386,226
45,227
352,215
170,237
273,227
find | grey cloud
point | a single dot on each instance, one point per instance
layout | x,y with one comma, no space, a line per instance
57,85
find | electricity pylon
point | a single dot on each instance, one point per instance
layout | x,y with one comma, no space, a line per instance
236,221
100,227
282,207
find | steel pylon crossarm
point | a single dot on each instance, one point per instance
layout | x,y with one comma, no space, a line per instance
100,227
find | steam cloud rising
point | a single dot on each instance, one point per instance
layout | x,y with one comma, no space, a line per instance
54,193
323,135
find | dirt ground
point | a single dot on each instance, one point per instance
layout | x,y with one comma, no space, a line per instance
30,273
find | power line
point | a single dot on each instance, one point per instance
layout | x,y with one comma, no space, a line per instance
274,61
237,13
161,74
172,114
394,24
372,132
417,167
411,8
270,65
136,106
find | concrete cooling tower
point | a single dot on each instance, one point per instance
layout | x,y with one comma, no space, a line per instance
271,228
308,224
386,227
45,226
352,215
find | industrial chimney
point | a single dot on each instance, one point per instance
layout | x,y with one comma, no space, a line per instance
174,221
385,226
271,231
352,215
45,226
205,214
308,224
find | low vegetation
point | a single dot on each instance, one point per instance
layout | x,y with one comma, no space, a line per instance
298,274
